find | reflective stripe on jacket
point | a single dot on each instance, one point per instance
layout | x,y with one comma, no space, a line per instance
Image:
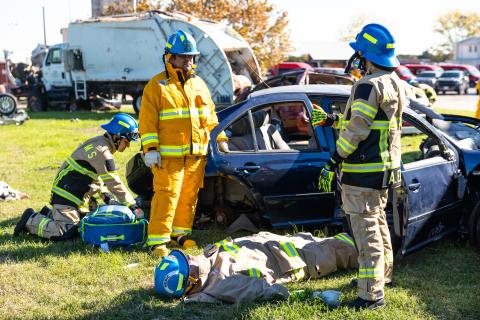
176,116
85,172
370,130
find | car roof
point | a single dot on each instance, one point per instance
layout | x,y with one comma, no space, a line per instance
331,89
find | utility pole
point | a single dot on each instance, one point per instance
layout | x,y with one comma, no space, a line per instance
44,32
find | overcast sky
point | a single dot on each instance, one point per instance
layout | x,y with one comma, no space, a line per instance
311,21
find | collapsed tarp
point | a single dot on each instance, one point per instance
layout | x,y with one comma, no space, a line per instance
7,193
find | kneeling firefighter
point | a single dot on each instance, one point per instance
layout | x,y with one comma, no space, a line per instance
368,152
90,167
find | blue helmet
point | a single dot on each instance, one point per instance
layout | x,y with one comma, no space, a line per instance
171,275
181,43
123,125
375,43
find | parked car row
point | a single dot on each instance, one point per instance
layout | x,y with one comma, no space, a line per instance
271,171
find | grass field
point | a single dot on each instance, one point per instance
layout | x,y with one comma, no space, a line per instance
45,280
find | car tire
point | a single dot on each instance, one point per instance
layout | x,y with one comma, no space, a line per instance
137,101
474,225
8,104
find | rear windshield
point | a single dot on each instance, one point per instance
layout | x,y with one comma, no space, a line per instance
428,74
452,74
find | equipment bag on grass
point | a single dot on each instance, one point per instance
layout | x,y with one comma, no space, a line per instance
112,225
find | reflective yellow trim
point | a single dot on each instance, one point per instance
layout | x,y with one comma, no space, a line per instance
364,108
149,138
108,176
390,45
180,282
81,169
157,239
369,38
169,114
164,266
345,145
126,125
365,167
175,151
67,195
41,225
366,273
182,37
177,231
345,238
168,45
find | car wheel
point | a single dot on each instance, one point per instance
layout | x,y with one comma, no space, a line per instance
8,104
474,225
137,101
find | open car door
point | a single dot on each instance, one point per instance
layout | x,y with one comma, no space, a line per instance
276,155
431,203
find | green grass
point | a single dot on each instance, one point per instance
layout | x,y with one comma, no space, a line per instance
45,280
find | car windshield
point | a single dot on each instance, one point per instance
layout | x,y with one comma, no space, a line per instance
451,74
427,74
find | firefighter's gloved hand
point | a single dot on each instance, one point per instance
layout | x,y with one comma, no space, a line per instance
327,174
153,158
321,118
139,214
223,146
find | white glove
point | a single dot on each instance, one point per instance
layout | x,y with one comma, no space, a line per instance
223,146
152,158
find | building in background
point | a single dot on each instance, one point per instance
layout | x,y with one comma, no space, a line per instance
98,6
468,51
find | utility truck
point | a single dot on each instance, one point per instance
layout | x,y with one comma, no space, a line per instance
107,56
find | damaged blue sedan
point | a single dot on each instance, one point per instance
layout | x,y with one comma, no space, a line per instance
271,171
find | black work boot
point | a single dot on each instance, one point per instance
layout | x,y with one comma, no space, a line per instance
21,225
360,303
45,211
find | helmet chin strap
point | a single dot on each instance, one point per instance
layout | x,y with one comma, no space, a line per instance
115,139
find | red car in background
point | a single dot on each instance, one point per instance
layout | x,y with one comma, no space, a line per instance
417,68
471,71
290,66
404,73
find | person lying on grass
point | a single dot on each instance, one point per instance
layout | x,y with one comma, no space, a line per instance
252,268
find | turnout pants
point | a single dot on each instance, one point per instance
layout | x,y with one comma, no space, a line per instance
366,210
56,224
176,184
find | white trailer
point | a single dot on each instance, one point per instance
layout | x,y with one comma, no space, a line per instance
119,54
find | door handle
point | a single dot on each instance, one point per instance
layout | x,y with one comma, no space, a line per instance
414,186
247,169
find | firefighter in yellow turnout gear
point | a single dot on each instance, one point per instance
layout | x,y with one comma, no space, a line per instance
90,167
368,151
176,117
252,268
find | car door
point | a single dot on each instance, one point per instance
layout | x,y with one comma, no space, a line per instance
54,74
283,180
432,203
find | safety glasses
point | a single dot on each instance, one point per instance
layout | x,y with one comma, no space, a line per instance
131,136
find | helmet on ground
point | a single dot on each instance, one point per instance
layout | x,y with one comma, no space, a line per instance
376,44
181,43
171,275
123,125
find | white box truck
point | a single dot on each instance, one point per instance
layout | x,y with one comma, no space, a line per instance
102,57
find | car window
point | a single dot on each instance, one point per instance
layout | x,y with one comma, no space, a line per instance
276,127
54,56
417,145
